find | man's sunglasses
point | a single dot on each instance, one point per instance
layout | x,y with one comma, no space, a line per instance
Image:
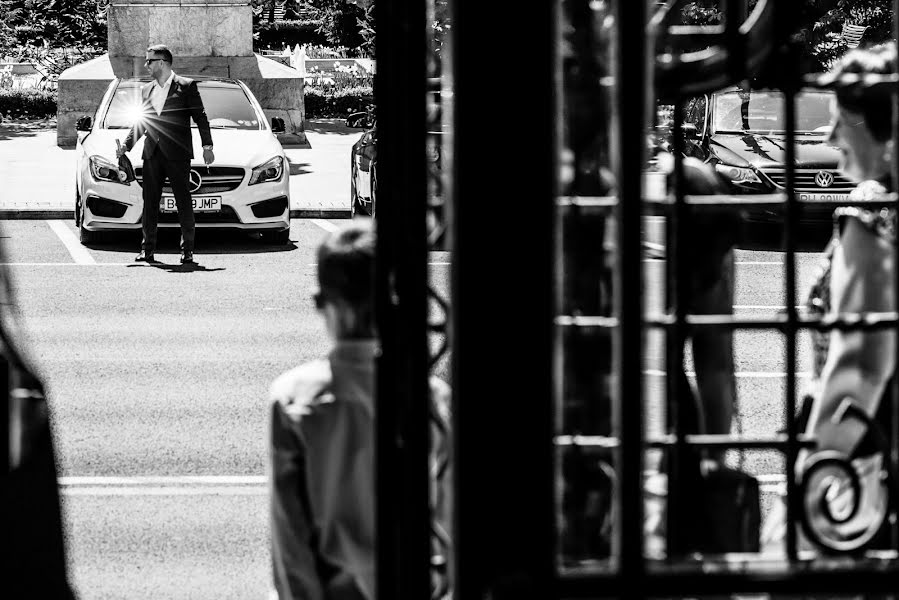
149,60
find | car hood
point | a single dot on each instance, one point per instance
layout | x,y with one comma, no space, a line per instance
763,151
231,146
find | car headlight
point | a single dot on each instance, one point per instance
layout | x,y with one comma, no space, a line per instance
738,174
104,169
270,170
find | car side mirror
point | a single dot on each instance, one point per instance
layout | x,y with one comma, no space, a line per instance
358,120
278,125
690,131
83,124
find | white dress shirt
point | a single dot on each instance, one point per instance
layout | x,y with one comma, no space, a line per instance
160,93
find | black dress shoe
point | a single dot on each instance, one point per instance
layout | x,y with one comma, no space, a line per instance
145,256
187,257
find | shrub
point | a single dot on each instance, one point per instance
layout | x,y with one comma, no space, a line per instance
28,103
341,103
280,33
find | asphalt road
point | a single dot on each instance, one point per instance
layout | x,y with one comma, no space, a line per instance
157,379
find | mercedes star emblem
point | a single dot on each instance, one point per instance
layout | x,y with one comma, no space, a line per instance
196,181
824,179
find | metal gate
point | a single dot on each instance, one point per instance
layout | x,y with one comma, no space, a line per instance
535,321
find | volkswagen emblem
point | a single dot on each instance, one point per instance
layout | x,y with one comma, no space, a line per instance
824,179
196,181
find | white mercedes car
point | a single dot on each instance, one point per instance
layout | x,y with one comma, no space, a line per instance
246,188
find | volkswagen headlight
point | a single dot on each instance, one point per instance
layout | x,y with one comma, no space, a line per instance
738,174
270,170
104,169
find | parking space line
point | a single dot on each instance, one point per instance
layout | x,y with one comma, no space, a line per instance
186,485
69,264
79,253
738,374
326,225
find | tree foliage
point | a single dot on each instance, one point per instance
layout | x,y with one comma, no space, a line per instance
822,24
31,29
340,21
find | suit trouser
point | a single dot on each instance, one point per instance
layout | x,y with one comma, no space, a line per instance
155,170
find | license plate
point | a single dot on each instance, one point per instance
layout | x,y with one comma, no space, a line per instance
823,197
201,204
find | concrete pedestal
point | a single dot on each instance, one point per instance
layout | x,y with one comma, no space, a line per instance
211,38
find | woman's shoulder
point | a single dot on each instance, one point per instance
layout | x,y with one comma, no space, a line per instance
881,222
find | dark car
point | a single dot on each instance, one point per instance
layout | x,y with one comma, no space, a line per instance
742,133
363,164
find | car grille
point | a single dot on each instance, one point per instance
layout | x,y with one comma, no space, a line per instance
226,215
805,180
216,181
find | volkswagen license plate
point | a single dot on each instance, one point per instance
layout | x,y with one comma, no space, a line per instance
201,204
818,197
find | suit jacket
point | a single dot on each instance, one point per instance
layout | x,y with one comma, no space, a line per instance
169,132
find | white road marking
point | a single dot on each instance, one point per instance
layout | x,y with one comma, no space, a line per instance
738,263
94,264
326,225
167,491
79,253
164,480
233,485
186,485
738,374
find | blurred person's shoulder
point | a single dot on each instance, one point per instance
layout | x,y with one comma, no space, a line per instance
440,396
304,389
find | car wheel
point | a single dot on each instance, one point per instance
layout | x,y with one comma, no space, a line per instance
84,236
354,196
374,192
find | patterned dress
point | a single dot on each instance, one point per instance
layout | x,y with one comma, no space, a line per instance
883,224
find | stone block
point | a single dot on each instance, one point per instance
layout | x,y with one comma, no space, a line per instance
212,28
80,91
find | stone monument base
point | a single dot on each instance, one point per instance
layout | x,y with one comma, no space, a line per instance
278,88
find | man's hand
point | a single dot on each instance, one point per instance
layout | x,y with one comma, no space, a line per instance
119,149
208,156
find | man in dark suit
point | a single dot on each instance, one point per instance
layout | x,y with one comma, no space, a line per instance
169,102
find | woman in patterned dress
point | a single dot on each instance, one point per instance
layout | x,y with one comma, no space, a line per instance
857,276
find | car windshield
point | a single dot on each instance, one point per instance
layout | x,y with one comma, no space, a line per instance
763,111
227,106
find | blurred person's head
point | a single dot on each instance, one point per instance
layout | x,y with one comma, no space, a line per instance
862,125
346,274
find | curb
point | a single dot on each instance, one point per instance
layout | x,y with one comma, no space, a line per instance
24,214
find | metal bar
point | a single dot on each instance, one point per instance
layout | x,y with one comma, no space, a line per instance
894,395
697,440
630,111
498,381
768,200
677,286
841,322
402,407
791,578
791,221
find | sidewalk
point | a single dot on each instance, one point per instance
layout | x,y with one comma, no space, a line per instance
37,178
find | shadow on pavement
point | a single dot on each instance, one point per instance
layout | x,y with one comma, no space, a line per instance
331,126
22,129
177,267
208,242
